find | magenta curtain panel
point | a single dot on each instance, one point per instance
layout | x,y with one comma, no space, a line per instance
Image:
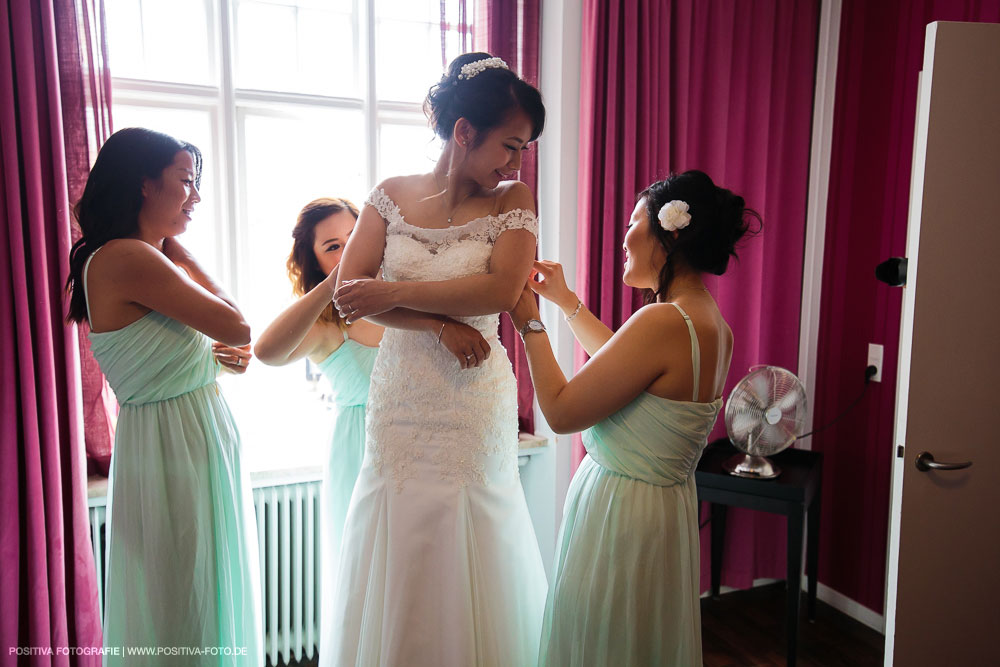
48,588
881,54
510,30
85,83
725,87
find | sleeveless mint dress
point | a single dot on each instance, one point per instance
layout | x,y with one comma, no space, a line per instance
183,582
625,590
349,370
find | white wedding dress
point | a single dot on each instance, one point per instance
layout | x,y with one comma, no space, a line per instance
440,565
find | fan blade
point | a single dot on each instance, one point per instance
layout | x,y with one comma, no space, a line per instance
789,401
741,424
761,387
773,439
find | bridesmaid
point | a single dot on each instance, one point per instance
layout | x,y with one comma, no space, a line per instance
625,590
312,328
182,565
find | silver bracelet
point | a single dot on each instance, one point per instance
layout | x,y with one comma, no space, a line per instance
579,305
443,324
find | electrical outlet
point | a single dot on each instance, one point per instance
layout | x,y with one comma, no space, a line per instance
875,359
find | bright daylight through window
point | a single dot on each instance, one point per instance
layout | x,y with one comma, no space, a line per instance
288,100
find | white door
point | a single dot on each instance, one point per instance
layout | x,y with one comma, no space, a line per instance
943,584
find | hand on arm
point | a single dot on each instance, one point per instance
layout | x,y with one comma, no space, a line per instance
483,294
361,261
145,276
232,359
590,332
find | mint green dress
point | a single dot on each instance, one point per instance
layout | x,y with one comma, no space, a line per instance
625,590
183,582
349,370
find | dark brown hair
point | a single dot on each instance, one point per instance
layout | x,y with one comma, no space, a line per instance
111,201
303,268
719,219
486,100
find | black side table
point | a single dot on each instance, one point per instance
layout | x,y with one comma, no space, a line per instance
794,493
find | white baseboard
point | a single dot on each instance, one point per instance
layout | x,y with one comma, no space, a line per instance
838,601
855,610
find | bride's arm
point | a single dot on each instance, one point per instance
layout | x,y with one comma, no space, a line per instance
482,294
361,260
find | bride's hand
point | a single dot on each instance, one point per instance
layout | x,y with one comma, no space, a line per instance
466,343
553,287
363,297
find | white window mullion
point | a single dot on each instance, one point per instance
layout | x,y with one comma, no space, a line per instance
231,225
371,106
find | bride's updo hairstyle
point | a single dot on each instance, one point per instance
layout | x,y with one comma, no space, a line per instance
486,99
719,219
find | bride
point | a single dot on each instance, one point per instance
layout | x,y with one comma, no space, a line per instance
440,563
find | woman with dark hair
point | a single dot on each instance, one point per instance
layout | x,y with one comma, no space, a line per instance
312,328
440,565
626,581
182,563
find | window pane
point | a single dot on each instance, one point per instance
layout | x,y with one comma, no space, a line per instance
195,127
406,149
302,47
289,160
417,24
160,40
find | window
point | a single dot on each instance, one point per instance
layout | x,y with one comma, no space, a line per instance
288,100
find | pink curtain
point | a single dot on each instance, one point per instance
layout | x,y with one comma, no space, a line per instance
48,587
881,53
510,30
86,101
725,87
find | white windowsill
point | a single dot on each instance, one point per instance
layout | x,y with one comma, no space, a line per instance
97,487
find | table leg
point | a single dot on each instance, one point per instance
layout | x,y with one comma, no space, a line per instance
812,555
794,582
718,514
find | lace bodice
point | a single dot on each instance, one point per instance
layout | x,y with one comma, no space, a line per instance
424,411
483,230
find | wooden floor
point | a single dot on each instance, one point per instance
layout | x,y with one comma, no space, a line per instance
747,628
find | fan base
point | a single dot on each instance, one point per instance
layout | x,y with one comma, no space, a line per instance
748,465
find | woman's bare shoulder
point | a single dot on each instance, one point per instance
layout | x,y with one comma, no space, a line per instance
513,195
405,187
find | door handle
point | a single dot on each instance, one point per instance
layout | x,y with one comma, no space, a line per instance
925,461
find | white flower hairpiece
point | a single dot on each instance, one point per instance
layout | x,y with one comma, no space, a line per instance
470,70
674,215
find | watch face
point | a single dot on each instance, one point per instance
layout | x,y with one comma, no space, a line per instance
533,326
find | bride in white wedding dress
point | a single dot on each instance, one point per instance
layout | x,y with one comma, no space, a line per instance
440,564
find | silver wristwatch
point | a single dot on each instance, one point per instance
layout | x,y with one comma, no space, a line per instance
532,326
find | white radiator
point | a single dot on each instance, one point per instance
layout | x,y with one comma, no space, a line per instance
289,543
288,537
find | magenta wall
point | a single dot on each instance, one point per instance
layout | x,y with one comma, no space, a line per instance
881,53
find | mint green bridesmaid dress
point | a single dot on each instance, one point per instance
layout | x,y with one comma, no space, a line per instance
349,371
625,590
183,582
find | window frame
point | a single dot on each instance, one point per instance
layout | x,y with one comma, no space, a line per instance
228,107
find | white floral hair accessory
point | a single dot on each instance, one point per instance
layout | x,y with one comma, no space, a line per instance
470,70
674,215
